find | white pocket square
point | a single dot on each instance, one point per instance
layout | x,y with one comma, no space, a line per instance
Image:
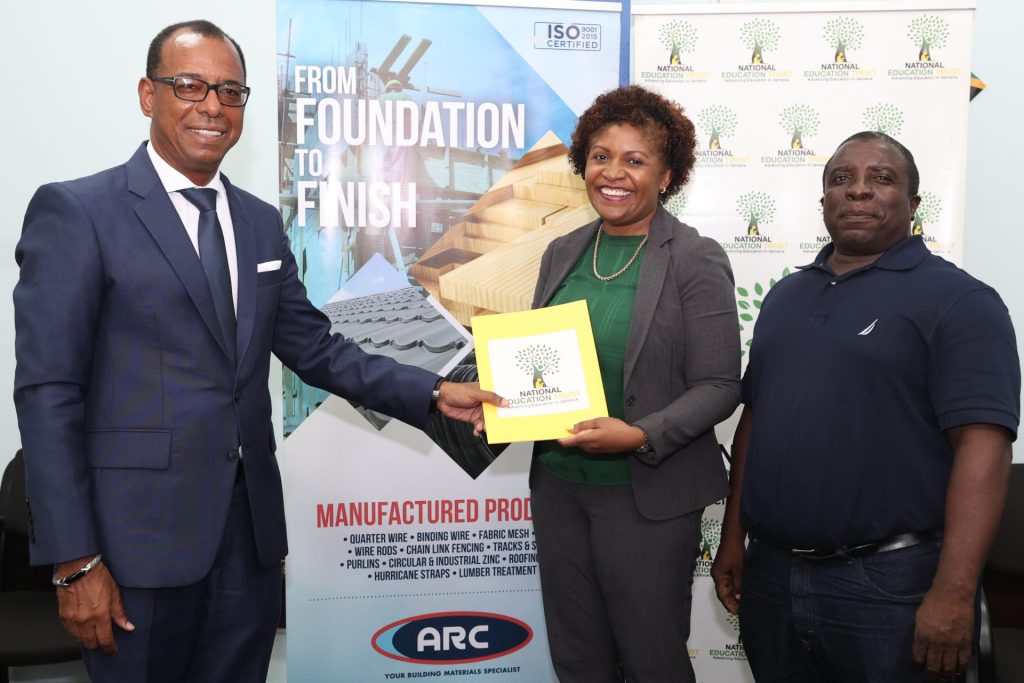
267,266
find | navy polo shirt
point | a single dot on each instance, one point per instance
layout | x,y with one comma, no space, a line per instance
853,380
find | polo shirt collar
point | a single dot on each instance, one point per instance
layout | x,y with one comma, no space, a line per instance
904,256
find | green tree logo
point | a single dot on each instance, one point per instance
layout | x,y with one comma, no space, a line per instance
734,623
749,306
759,34
928,211
757,208
535,360
679,37
927,31
676,205
799,120
843,33
884,118
717,120
710,536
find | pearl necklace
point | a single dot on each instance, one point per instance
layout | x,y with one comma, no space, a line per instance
623,269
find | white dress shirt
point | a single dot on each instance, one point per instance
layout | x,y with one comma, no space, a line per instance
173,180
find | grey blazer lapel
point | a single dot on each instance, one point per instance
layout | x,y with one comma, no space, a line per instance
563,259
648,287
158,215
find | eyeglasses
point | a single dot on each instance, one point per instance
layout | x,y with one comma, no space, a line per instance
196,90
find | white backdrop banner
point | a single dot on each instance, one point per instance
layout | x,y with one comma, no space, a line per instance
772,90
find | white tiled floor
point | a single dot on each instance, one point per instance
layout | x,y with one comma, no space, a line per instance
74,672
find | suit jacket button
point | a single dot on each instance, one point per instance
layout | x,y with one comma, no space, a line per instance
238,397
630,401
233,456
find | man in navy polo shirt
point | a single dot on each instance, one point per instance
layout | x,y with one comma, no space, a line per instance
871,459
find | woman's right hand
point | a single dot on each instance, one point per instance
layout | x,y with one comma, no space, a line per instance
604,435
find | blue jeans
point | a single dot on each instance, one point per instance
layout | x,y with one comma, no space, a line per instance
841,620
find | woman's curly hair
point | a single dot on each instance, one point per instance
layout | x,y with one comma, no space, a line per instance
661,120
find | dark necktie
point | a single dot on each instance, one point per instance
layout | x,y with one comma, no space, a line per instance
214,258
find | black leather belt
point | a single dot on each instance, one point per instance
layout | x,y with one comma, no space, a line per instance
897,542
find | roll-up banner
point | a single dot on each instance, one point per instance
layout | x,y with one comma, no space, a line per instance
423,170
772,90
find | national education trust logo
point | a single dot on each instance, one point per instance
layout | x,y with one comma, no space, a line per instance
758,35
676,205
757,209
734,623
814,246
883,117
710,537
927,33
730,651
718,121
928,212
841,34
799,121
539,362
679,38
535,360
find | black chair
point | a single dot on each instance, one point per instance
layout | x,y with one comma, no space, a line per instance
1001,642
30,630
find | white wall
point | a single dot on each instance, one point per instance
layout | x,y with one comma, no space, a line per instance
57,125
72,109
995,149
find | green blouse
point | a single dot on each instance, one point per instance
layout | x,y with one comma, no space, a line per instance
611,311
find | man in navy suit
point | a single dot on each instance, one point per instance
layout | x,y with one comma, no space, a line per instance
146,312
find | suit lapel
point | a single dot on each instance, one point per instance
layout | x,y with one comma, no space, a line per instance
161,220
568,252
245,253
648,287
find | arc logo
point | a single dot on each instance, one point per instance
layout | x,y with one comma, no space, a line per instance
452,638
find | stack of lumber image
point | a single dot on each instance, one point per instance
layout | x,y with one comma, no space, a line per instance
488,262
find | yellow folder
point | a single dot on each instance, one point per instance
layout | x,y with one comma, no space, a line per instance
544,362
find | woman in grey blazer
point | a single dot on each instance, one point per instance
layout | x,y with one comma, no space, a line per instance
617,504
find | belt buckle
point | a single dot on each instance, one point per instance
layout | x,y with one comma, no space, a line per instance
846,550
861,550
813,553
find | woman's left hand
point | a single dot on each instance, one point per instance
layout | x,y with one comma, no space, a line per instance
604,435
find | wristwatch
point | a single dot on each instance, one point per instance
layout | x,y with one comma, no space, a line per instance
646,447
